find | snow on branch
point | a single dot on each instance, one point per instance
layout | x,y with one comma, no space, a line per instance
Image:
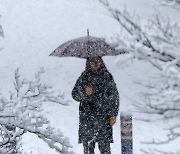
162,101
169,2
157,39
22,112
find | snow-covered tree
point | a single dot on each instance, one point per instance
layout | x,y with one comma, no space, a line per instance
21,113
156,40
161,102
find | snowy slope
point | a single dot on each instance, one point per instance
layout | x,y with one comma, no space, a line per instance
33,29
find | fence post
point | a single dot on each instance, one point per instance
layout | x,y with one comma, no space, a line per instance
126,134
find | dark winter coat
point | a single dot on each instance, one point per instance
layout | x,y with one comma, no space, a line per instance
96,109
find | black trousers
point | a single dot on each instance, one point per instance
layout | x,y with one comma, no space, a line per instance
104,147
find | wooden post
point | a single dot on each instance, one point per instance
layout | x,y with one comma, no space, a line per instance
126,134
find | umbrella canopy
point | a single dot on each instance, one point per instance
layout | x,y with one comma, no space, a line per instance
85,47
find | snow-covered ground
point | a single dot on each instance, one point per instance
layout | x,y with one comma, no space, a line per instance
33,29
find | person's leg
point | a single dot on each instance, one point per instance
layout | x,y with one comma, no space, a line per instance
89,148
104,147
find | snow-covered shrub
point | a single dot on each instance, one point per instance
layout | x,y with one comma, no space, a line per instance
161,102
21,113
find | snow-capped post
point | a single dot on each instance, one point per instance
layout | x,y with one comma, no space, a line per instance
126,134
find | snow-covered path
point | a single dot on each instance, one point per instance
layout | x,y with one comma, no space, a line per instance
33,29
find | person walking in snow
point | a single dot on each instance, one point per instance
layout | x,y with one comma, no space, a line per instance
97,93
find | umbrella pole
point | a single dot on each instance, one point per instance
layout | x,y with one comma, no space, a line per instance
88,39
87,32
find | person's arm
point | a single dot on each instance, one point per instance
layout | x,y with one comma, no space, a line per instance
78,92
113,98
81,91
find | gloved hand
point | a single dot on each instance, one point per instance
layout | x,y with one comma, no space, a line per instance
112,120
89,90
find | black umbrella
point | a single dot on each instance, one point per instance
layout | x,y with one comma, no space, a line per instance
84,47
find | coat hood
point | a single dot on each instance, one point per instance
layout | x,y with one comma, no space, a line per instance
101,70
